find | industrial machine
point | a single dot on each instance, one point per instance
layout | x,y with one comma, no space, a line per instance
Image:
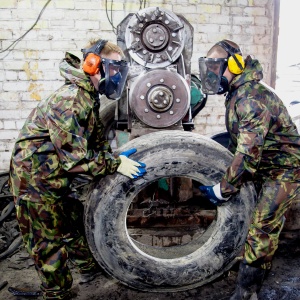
161,91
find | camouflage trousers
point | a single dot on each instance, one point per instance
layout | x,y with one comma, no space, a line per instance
274,198
53,235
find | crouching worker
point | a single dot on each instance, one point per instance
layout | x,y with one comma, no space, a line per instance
63,137
266,151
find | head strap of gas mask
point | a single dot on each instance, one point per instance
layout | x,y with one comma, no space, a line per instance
236,63
92,60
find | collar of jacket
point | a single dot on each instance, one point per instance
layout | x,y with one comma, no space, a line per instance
253,72
70,69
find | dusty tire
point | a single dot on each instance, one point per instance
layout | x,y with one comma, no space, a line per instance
167,154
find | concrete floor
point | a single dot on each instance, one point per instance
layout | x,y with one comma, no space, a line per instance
283,282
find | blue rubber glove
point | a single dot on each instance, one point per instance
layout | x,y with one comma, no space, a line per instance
210,193
131,168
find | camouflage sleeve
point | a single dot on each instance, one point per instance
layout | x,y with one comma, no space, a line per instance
231,147
70,131
254,123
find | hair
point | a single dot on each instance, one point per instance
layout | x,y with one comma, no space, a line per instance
107,49
221,52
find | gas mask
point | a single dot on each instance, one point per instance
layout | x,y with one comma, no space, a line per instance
211,75
114,74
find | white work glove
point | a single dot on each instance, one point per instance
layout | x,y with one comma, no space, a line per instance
129,167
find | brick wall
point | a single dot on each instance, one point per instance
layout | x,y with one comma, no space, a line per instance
29,69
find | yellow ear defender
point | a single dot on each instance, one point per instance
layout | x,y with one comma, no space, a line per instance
236,63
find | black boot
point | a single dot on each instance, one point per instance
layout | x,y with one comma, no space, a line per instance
249,282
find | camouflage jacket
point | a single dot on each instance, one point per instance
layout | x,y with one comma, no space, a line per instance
61,137
265,139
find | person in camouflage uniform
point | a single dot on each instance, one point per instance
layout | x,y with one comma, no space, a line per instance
266,147
63,137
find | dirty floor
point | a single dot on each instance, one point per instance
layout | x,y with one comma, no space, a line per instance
283,282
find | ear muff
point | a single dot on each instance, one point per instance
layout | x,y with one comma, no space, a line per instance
236,63
92,59
91,64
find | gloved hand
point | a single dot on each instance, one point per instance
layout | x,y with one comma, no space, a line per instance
213,194
131,168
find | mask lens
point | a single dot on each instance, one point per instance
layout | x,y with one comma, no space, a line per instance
211,71
211,80
115,77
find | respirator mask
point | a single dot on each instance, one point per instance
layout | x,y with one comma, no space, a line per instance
113,78
113,72
211,75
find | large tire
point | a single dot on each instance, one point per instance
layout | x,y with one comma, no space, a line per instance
167,154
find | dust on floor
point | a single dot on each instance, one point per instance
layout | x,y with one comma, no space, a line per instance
283,282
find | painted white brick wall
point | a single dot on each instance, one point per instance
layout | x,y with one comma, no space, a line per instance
29,70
